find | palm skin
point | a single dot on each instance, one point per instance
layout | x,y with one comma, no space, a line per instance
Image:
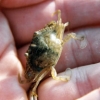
84,18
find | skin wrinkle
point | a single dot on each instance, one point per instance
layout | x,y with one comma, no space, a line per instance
77,81
88,45
90,87
94,80
87,84
75,58
82,77
92,56
88,79
71,51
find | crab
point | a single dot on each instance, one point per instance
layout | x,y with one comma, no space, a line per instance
44,52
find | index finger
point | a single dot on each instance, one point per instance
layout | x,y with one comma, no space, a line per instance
24,21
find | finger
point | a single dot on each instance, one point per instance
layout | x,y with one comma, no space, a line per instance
94,95
83,80
10,88
72,55
82,13
25,21
18,3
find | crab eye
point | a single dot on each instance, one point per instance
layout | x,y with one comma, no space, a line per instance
52,23
29,74
37,33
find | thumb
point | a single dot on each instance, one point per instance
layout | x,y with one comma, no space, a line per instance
83,80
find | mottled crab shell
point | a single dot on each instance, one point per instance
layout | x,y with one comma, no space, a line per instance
45,48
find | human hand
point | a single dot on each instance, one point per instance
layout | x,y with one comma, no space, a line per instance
84,19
